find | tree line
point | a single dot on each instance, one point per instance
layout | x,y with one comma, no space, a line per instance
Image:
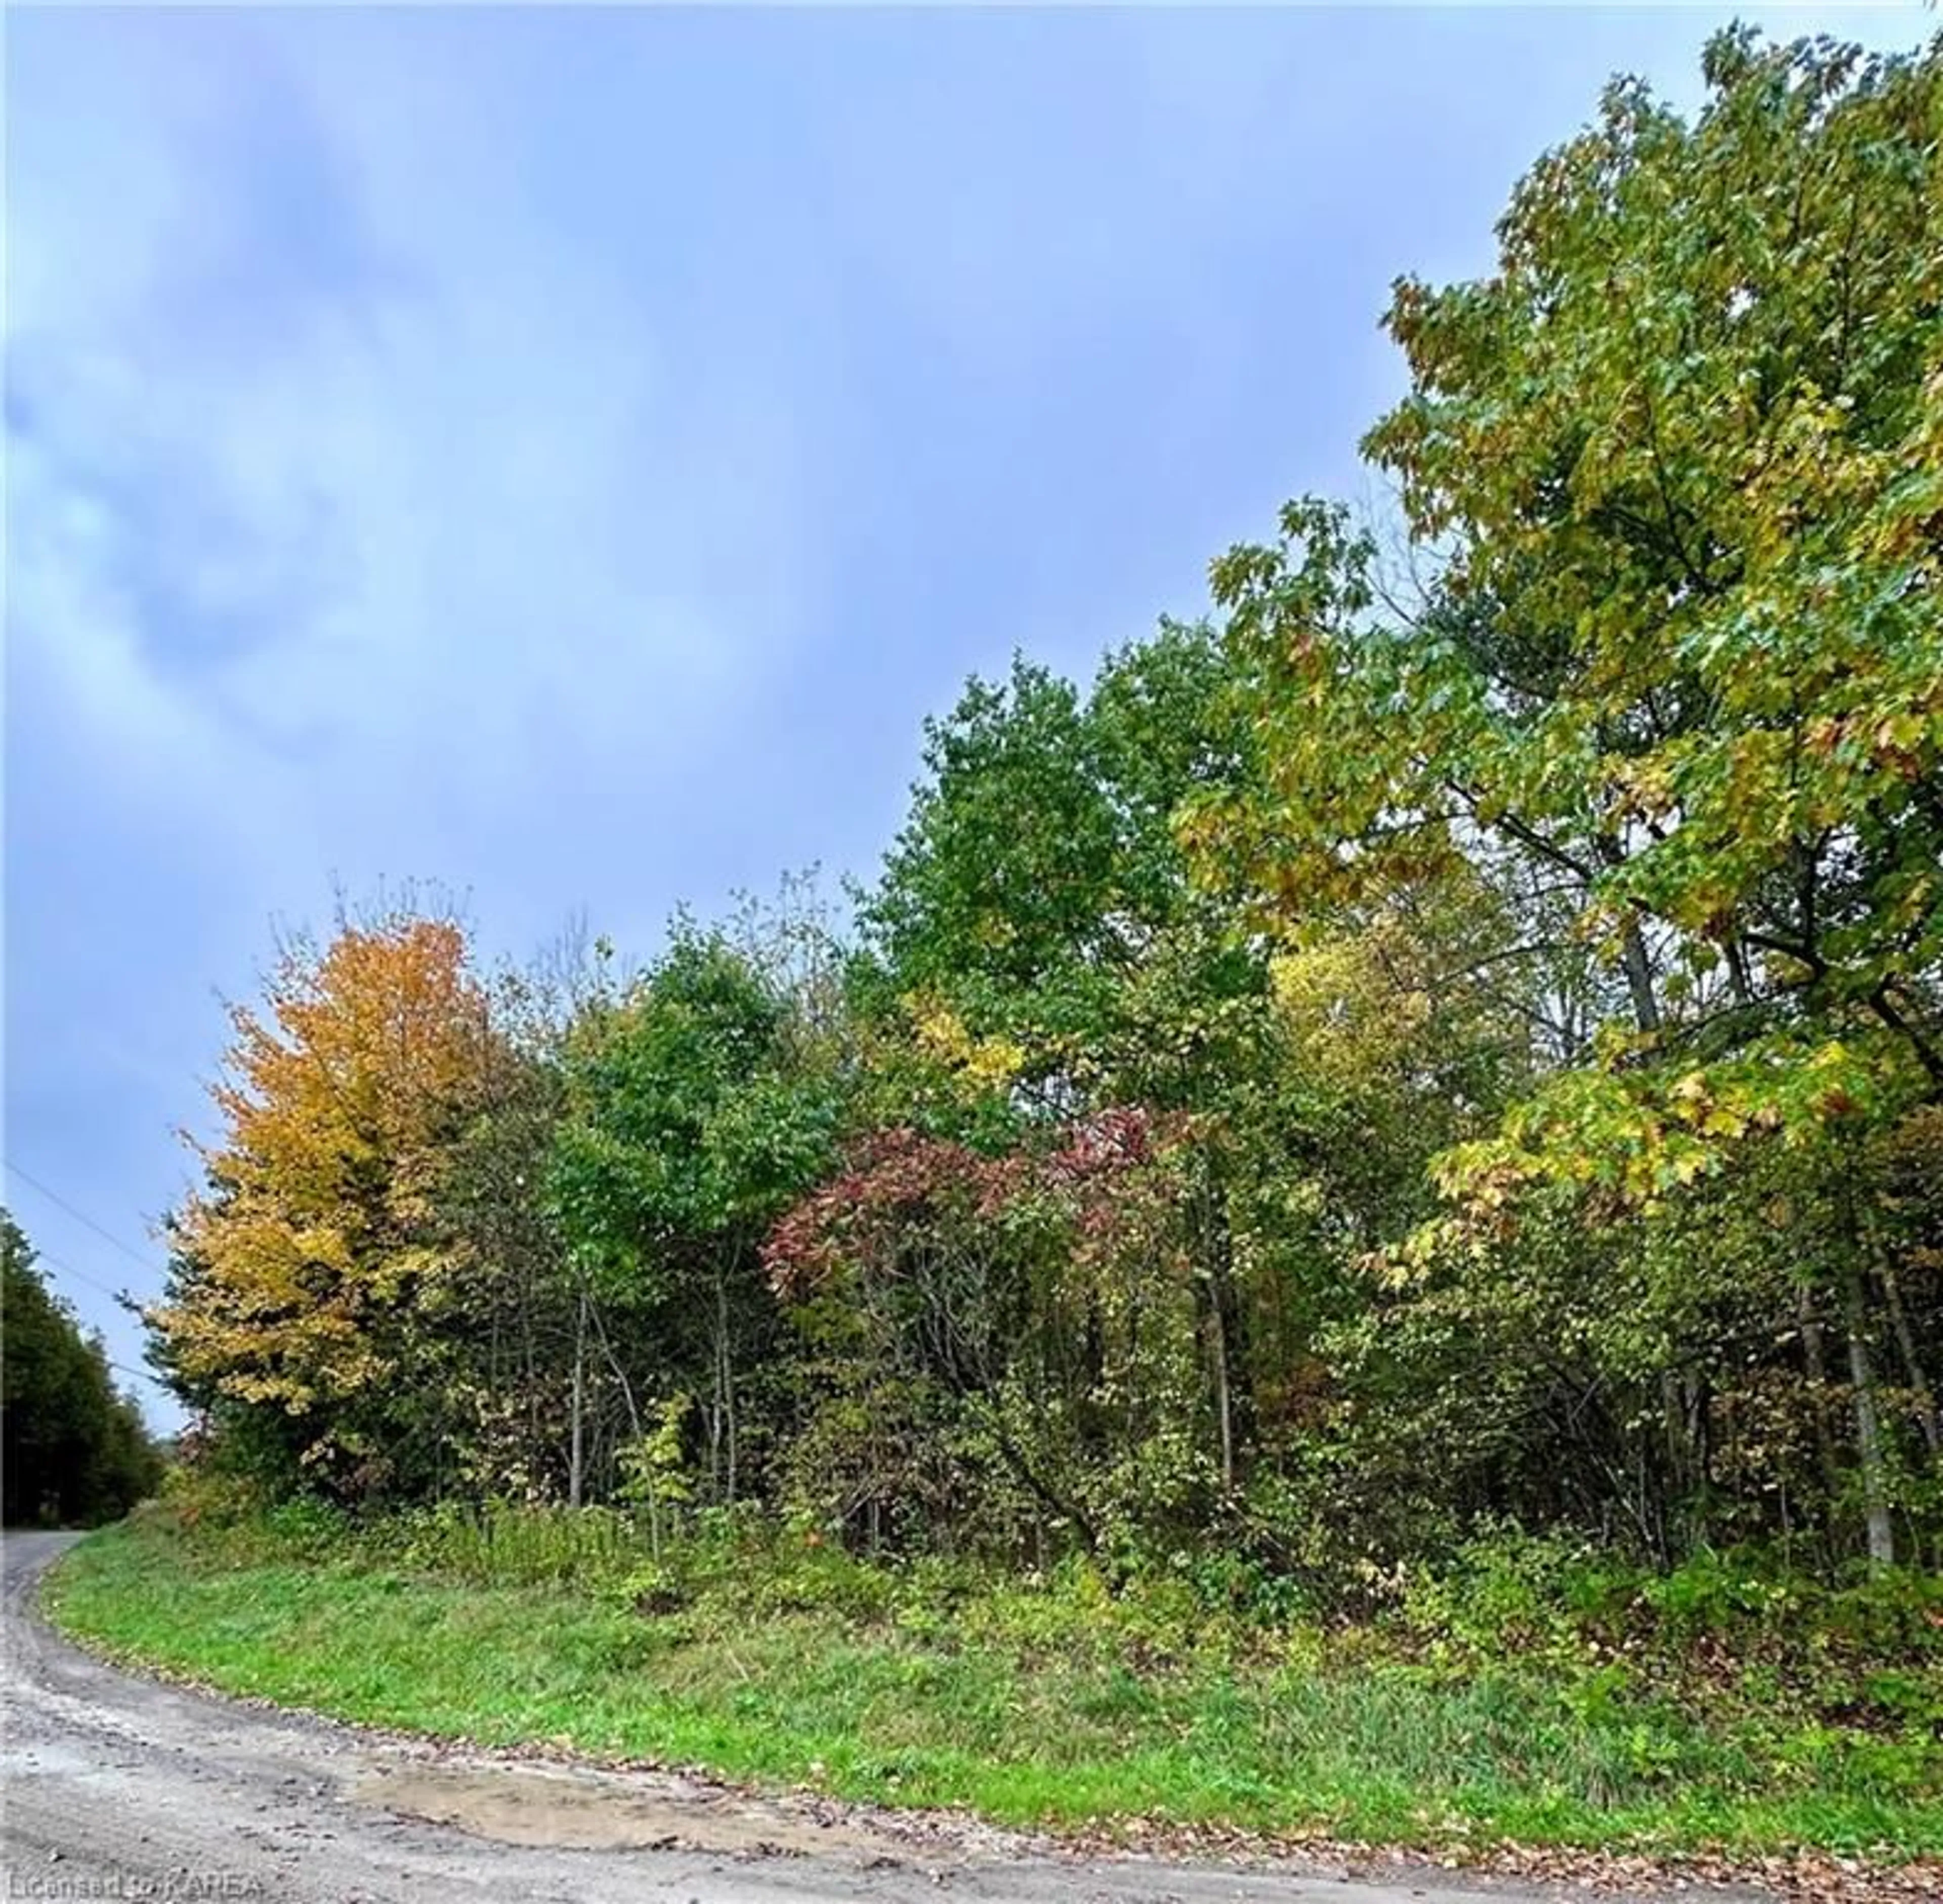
74,1450
1454,1036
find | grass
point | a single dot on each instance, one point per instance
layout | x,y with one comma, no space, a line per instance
1046,1706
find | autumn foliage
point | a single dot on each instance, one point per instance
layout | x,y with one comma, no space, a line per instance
1438,1045
319,1250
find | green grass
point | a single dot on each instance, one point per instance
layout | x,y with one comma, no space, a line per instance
1011,1703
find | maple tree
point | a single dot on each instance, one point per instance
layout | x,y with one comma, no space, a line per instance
1681,451
1683,653
1002,1341
308,1267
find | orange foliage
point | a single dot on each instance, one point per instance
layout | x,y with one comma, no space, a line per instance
319,1231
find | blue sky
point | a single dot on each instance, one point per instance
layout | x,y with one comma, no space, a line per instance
565,455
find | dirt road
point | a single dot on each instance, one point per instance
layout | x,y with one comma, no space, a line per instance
119,1787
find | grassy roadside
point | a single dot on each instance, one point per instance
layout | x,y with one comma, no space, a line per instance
1033,1712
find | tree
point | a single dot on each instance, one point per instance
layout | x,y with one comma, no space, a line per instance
1405,1058
1678,457
1038,875
509,1345
1681,451
694,1113
76,1451
313,1273
1001,1348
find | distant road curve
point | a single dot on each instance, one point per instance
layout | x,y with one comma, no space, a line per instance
119,1787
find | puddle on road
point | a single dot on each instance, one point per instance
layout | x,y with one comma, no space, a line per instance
533,1805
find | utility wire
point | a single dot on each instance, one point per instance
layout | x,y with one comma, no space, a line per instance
80,1216
80,1275
121,1368
107,1236
140,1374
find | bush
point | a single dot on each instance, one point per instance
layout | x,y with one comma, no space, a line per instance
1506,1598
210,1499
512,1543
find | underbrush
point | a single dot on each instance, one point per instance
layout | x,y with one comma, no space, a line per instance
1529,1689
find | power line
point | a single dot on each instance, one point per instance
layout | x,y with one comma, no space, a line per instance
120,1367
80,1275
80,1216
140,1374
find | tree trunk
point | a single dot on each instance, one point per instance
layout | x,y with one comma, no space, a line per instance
1633,954
1639,977
1233,1401
1868,1425
1926,1412
620,1375
1814,1354
1224,1407
577,1451
725,1383
1682,1467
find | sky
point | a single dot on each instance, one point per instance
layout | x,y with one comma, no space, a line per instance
563,455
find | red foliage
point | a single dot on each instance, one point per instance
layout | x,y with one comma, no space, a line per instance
898,1183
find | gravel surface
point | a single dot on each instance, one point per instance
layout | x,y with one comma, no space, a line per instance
119,1786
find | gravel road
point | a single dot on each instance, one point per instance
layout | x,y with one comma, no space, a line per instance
118,1786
